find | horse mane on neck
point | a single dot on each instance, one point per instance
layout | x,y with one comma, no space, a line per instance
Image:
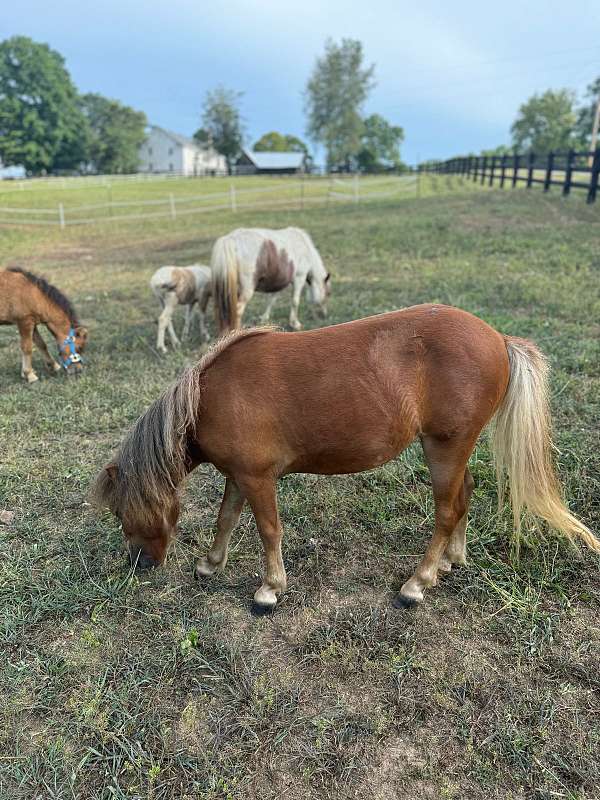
51,292
152,460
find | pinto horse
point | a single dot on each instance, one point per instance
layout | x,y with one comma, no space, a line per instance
249,260
27,300
341,399
185,286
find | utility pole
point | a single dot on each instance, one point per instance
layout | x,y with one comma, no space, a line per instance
596,125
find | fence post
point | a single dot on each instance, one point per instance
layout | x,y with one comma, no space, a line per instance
492,169
172,204
61,215
232,197
475,167
594,177
483,169
530,170
549,167
516,165
502,170
568,173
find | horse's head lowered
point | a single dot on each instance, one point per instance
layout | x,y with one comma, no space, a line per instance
320,289
148,529
140,485
71,348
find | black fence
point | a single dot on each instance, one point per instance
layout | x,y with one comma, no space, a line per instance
570,170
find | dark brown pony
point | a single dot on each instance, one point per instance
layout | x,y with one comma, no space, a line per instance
342,399
27,300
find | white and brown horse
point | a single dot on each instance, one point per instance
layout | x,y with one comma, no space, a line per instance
185,286
342,399
27,300
250,260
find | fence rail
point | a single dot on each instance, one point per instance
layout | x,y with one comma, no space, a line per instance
292,193
567,169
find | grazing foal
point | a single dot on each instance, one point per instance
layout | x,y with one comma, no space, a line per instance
185,286
249,260
26,300
348,398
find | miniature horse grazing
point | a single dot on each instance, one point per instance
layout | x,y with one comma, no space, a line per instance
186,286
26,300
250,260
262,404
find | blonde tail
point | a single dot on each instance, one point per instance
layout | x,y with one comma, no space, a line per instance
225,284
522,445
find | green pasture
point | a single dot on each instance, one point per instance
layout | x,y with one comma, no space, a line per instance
116,685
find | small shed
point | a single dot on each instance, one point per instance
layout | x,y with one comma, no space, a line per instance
252,162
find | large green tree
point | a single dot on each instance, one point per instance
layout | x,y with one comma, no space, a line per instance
222,123
275,142
380,148
545,122
585,114
336,91
41,124
116,133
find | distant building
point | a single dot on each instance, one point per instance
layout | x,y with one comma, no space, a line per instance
165,151
252,162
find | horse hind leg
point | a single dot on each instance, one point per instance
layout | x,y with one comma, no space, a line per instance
447,461
456,550
165,322
39,342
26,328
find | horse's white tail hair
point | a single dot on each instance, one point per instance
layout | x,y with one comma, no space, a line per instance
522,445
224,266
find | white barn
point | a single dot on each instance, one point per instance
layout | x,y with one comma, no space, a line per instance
165,151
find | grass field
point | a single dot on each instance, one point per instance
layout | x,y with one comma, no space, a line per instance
121,685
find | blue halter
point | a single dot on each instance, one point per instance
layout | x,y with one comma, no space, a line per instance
68,354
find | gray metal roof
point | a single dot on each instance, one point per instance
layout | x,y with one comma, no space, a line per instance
184,141
289,160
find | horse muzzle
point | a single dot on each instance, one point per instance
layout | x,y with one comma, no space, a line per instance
142,560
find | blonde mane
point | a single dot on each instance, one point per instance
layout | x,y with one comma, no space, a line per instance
152,460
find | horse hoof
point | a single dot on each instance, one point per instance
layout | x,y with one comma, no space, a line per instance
204,569
259,610
31,377
402,601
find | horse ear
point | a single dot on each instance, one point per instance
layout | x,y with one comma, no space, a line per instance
81,332
111,471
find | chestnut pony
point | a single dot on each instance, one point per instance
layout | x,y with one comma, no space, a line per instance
27,300
342,399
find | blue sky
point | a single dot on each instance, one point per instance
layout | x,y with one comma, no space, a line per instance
451,73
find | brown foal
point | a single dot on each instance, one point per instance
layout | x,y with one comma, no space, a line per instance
342,399
27,300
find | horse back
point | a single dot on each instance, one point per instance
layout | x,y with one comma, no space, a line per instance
350,397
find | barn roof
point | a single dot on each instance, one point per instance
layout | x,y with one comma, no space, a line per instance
262,160
184,141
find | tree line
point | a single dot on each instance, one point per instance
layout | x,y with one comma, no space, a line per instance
553,121
47,126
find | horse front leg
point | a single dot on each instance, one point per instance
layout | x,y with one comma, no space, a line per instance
39,342
26,328
295,323
267,313
229,514
261,494
165,322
